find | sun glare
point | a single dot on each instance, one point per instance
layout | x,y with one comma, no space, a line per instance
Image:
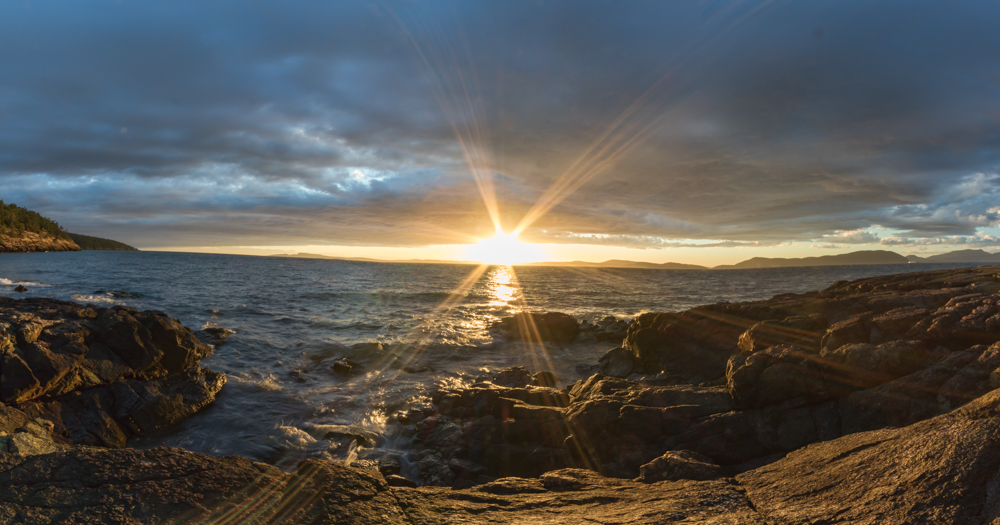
504,249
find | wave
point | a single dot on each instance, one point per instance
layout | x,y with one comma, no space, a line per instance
257,380
93,299
9,282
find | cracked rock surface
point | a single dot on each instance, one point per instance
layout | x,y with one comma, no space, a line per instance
100,375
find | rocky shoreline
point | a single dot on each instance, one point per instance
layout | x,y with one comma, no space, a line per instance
871,401
35,242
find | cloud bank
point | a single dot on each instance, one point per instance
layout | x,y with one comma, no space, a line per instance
746,124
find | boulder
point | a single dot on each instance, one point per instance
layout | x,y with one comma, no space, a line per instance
804,331
554,327
618,362
101,375
20,288
516,377
676,465
774,375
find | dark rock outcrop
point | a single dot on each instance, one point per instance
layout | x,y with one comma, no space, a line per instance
100,375
942,470
774,376
554,327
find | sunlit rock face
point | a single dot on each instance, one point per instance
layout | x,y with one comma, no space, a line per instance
739,384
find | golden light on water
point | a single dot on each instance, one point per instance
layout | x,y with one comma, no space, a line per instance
504,249
502,287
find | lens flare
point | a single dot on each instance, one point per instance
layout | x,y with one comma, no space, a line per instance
504,249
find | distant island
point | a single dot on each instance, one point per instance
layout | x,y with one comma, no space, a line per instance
853,258
960,256
618,263
861,257
23,230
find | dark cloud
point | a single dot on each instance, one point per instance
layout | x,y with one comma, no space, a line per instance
234,123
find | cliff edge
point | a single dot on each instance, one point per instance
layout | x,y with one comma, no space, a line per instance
35,242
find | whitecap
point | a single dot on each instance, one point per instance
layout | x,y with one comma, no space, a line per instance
93,298
257,380
9,282
287,437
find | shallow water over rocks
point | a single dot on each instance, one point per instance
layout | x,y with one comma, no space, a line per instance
322,353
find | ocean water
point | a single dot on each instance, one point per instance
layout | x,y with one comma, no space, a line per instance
414,328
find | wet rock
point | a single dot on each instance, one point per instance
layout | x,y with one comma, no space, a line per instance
214,335
678,464
516,377
20,288
554,327
109,414
101,375
618,362
347,367
608,329
118,293
389,465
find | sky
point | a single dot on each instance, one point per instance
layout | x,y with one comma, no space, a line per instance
703,132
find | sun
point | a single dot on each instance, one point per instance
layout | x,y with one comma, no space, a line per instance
504,249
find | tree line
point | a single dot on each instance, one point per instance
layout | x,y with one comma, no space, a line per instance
17,220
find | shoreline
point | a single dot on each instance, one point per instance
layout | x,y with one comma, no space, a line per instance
714,412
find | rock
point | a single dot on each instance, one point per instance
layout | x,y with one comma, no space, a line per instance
618,362
608,329
389,465
108,415
20,288
214,335
693,345
347,367
865,365
850,331
35,242
516,377
678,464
158,485
554,327
101,374
395,480
571,496
937,471
118,293
28,444
804,331
774,375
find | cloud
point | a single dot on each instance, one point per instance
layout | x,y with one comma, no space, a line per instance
183,123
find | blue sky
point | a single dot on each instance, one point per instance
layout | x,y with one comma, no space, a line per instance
705,131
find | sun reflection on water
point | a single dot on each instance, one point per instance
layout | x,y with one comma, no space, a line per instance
502,286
